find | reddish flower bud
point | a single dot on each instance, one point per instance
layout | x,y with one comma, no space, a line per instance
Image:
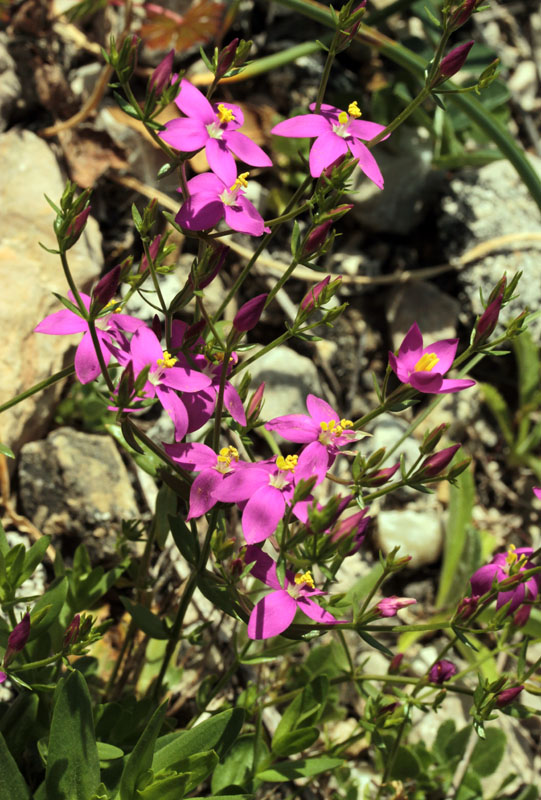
72,631
432,438
76,227
467,607
522,615
380,476
353,529
161,77
507,696
452,62
226,58
488,320
390,605
462,14
309,301
316,239
394,664
436,463
249,314
17,639
153,251
256,401
106,288
157,326
442,671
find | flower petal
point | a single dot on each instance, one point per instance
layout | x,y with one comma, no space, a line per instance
319,410
184,379
201,492
246,150
238,122
263,567
314,460
233,403
450,385
241,485
191,455
272,615
200,212
363,129
221,161
367,162
186,134
295,428
315,612
326,149
199,406
62,322
304,126
87,366
193,103
427,382
206,182
244,217
175,408
145,348
262,513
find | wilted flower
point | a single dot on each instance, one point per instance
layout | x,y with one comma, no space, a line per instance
442,671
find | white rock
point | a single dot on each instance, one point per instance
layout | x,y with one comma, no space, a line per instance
417,533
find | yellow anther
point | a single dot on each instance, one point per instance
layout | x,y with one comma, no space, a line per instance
354,110
426,363
241,182
225,114
346,423
287,464
342,118
228,454
168,360
305,579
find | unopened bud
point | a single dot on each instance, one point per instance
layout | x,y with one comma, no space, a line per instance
105,289
232,56
210,266
432,438
72,631
461,14
458,469
17,639
522,615
488,321
316,239
488,75
442,671
390,605
254,406
394,664
249,314
436,463
466,607
452,63
161,77
311,299
380,476
508,696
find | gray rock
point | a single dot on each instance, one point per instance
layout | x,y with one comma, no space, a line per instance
411,184
386,430
486,204
418,534
435,312
29,276
289,379
75,484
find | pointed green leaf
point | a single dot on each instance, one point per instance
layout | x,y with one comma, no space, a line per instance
12,783
302,768
141,756
148,622
73,770
217,733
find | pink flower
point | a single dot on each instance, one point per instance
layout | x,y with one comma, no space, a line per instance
424,368
336,132
276,611
263,489
442,671
212,468
211,199
249,314
502,567
390,605
165,379
323,432
214,127
108,329
453,61
508,695
17,639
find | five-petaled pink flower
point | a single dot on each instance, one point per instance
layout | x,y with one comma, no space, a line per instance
214,127
336,132
108,330
503,567
165,379
323,432
275,612
424,367
211,199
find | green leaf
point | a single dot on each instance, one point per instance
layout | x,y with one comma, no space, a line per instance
170,787
237,768
108,753
488,753
199,767
73,770
140,758
148,622
6,451
406,764
18,723
166,505
301,768
461,502
33,557
304,710
51,605
444,734
186,542
126,107
12,784
217,733
294,741
143,457
455,746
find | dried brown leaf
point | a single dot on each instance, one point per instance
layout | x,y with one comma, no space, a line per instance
165,29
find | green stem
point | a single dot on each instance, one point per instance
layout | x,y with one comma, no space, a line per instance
218,411
402,117
58,376
285,277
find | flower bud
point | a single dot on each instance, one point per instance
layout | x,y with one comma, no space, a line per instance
442,671
72,631
394,664
351,530
105,289
436,463
507,696
3,676
460,15
390,605
380,476
316,240
316,296
522,615
210,266
349,26
432,438
254,406
452,63
153,251
249,314
232,56
17,639
466,607
458,469
161,77
488,320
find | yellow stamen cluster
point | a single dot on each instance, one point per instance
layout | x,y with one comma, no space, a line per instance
342,117
354,110
305,579
228,454
287,464
225,114
426,363
168,360
241,182
513,559
335,429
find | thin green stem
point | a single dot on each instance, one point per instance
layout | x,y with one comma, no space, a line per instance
285,277
218,411
38,387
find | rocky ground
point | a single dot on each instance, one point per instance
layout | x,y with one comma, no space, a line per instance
419,251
